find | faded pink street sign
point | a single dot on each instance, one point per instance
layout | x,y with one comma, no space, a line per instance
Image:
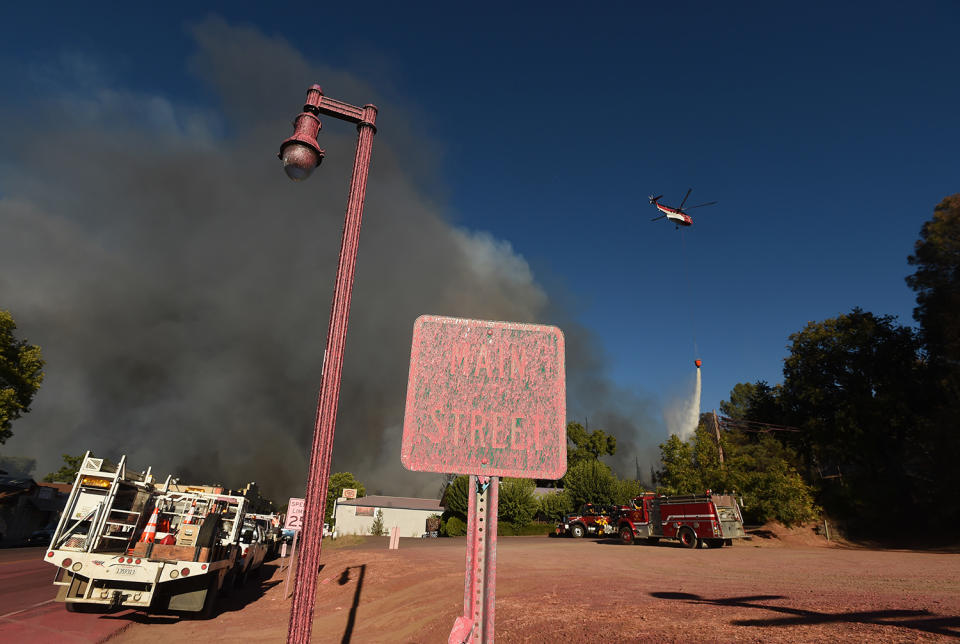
485,398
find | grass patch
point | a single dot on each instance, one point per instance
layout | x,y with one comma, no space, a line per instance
344,541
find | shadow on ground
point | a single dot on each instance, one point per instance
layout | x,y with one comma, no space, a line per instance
919,620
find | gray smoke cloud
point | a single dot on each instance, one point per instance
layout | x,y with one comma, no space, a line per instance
179,284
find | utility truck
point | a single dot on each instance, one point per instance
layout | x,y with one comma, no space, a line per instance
126,541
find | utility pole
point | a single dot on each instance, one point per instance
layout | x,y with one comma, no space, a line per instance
716,430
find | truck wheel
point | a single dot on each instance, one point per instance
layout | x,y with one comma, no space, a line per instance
577,531
714,543
687,538
626,535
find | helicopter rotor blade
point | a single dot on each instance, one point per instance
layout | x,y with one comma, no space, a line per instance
660,217
709,203
680,207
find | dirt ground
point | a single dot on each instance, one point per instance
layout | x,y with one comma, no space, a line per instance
780,586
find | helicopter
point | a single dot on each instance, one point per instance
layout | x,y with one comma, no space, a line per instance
677,215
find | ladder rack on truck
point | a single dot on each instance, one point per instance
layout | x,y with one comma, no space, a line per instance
125,541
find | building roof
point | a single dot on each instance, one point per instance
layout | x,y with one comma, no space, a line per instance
397,502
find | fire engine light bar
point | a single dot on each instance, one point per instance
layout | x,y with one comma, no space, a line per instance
95,481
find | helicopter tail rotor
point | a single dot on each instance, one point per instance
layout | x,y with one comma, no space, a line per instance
654,199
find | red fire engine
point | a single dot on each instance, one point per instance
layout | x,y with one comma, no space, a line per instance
696,520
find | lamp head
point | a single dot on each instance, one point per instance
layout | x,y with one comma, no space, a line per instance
299,159
301,153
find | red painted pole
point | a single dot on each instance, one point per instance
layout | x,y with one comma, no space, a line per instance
480,582
305,584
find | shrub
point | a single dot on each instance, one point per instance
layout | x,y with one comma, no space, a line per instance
454,527
377,528
516,504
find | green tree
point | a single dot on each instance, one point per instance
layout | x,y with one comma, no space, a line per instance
67,472
936,281
340,481
759,469
854,384
21,372
455,498
554,505
678,473
590,481
516,504
753,401
377,528
588,446
625,490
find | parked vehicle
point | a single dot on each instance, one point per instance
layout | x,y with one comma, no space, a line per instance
40,537
126,541
253,551
695,520
591,519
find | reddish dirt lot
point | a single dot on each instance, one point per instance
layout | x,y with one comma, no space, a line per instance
787,586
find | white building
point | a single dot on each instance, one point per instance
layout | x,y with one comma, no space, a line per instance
356,516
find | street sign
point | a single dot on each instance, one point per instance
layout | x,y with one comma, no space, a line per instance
294,519
485,398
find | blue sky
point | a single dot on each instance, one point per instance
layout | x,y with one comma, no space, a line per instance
826,133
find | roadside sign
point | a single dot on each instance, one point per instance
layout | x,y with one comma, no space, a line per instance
485,398
294,519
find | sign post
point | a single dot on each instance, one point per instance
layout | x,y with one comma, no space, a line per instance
486,399
294,521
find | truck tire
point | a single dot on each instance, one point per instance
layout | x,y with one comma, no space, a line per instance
626,535
714,543
687,538
577,531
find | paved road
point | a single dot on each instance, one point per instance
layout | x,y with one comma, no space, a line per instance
28,612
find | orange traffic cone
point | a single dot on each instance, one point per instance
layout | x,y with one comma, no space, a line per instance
150,532
193,508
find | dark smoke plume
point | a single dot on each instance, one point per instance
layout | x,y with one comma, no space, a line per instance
179,284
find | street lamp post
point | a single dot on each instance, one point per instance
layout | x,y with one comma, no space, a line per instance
300,155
